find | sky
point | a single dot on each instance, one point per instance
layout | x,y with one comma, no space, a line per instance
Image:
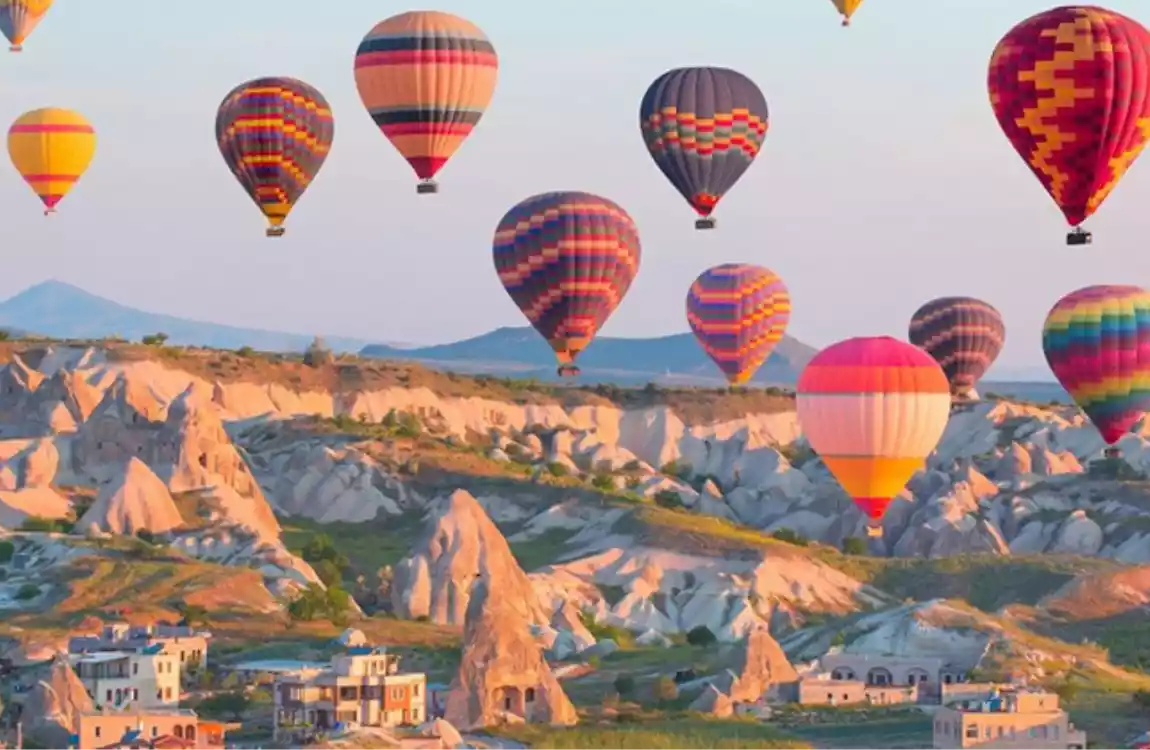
884,180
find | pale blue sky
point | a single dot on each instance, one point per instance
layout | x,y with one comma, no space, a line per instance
884,180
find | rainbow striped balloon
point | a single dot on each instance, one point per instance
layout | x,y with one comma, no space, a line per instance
738,313
1097,342
567,259
873,409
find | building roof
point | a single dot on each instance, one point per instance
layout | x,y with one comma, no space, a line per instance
100,657
142,712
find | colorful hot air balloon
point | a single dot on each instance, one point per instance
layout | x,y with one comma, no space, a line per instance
19,17
738,313
703,127
1097,342
426,78
873,409
52,149
846,9
274,134
963,334
1071,89
567,259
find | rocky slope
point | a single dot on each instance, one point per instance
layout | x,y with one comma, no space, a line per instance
647,511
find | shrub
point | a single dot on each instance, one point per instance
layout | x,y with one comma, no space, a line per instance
317,354
27,591
701,636
328,572
790,536
36,523
245,351
155,339
316,603
666,689
231,705
669,499
192,614
145,536
625,685
557,469
7,551
603,482
852,545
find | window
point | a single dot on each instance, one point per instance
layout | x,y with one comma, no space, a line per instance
155,730
1032,732
168,693
179,731
1042,732
97,731
135,694
1055,732
529,695
109,696
190,732
1001,731
972,732
415,690
135,669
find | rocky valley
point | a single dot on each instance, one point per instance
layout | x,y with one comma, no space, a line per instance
632,535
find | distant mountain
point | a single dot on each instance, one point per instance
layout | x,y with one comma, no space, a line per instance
669,360
61,310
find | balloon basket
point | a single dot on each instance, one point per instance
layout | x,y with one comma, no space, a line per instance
15,48
1079,236
874,532
846,22
1112,452
428,187
49,211
276,231
707,222
568,371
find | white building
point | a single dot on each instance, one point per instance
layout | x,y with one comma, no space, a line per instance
118,679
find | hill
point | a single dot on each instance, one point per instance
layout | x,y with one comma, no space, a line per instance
667,360
60,310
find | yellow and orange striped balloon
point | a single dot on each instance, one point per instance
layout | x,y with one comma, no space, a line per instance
51,148
19,17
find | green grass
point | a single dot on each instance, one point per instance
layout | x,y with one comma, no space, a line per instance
369,545
902,729
542,550
670,734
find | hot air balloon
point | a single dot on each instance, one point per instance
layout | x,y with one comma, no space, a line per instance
1097,343
703,127
52,149
274,134
19,17
738,313
873,409
846,9
426,78
963,334
567,259
1071,89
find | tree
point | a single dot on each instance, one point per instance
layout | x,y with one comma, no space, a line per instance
316,603
145,536
852,545
7,551
1141,699
328,572
155,339
192,614
666,689
701,636
624,685
231,705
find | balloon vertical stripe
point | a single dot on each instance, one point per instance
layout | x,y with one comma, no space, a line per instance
1097,342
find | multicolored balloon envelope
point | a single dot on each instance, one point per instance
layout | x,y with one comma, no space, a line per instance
19,17
567,260
51,148
275,134
1097,342
963,334
846,9
738,313
873,409
426,78
1071,89
703,127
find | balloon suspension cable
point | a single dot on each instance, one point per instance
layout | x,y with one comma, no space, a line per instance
707,222
427,187
1079,236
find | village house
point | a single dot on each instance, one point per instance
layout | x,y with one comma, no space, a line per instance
189,644
148,678
172,728
824,690
1011,718
362,687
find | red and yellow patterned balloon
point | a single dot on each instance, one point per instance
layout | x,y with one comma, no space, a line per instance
1071,89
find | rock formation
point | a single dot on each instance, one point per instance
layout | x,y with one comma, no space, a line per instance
53,707
135,499
460,543
761,665
503,676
